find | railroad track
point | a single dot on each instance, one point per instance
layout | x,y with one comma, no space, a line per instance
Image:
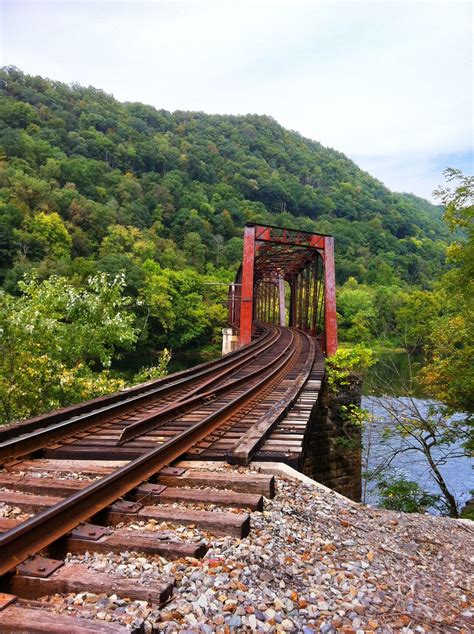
72,476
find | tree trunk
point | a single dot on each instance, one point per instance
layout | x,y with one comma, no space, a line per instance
448,496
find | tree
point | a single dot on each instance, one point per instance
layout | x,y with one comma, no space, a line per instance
415,317
400,494
129,240
49,230
53,339
449,373
425,431
176,302
132,184
195,250
356,307
442,322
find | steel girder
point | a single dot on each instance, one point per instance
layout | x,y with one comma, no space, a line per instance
271,256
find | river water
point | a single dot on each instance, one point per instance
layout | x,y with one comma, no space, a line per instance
383,390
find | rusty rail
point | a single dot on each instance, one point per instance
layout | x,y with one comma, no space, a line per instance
169,411
36,438
48,526
149,389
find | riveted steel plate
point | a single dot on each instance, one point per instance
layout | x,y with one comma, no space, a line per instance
37,566
151,489
126,507
89,532
171,471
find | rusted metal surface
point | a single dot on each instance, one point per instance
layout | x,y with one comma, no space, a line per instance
273,256
6,599
330,316
166,413
246,300
89,532
152,389
36,566
124,506
151,489
171,471
205,417
249,442
34,436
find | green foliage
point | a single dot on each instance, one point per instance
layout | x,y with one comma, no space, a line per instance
449,373
356,311
347,361
467,514
400,494
53,339
354,418
188,182
415,316
89,185
425,429
354,415
49,231
153,372
181,306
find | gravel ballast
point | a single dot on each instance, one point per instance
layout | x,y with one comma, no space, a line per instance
313,562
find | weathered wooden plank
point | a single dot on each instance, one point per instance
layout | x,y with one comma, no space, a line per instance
111,443
6,524
287,433
53,486
86,467
79,578
69,452
286,442
27,501
242,482
17,619
217,523
230,499
148,542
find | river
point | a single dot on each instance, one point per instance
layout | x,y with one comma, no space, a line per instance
384,388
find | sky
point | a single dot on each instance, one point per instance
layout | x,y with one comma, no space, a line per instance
390,84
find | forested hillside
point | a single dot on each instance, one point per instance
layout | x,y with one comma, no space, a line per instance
91,185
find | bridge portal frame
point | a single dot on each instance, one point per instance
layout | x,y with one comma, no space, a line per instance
300,243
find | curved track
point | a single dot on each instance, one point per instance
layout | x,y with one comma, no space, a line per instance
134,403
224,409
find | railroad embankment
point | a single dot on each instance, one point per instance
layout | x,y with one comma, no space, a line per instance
313,561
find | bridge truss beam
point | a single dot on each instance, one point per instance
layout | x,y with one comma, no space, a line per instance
273,256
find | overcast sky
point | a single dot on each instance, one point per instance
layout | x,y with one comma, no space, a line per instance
387,83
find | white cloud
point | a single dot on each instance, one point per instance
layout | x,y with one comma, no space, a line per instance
379,79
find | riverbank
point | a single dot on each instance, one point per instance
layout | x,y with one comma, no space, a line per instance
314,562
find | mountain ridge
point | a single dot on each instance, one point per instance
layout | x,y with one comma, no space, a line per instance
101,162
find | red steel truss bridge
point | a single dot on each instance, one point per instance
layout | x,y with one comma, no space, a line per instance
287,277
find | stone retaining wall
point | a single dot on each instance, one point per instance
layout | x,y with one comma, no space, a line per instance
332,448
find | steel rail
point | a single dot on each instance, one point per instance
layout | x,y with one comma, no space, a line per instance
250,442
40,531
235,365
38,438
144,390
168,412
